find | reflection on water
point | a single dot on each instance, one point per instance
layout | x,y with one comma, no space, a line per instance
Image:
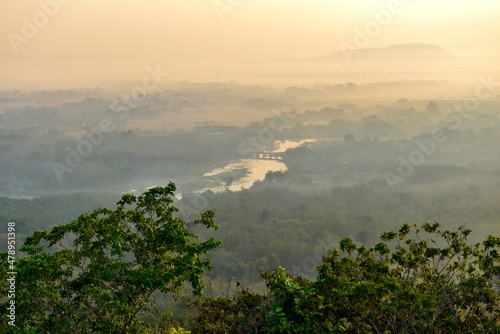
255,171
283,145
243,173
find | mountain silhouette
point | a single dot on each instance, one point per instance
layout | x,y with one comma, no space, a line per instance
397,52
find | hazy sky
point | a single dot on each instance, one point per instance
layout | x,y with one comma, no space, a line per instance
95,42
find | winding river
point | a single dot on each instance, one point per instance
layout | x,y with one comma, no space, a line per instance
245,172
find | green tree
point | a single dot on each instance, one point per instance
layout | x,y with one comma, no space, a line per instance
106,280
295,305
404,284
244,313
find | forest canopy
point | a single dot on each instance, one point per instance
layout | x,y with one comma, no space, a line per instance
101,274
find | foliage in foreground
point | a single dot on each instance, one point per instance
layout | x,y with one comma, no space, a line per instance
104,281
98,274
402,285
245,312
433,282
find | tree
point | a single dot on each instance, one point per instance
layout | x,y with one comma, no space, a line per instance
244,313
295,306
402,285
349,138
118,259
432,107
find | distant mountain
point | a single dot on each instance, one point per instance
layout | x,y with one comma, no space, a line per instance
398,52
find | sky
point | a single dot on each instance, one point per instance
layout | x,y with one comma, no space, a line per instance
78,43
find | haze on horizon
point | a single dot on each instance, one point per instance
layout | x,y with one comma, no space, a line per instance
97,43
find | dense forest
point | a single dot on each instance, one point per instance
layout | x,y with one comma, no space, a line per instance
105,272
341,220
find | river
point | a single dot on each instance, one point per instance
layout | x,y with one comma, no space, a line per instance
245,172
